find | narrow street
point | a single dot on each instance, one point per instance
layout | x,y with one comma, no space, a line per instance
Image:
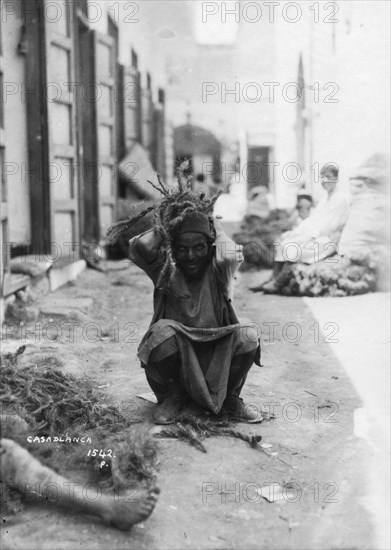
212,500
121,116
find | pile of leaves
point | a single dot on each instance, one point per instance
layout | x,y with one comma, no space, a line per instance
337,276
257,236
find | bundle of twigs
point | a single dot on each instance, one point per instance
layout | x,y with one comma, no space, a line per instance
336,276
194,430
181,197
258,235
135,457
55,402
169,213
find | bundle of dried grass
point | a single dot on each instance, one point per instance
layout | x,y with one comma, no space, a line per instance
336,276
257,236
135,457
195,430
52,404
55,402
169,214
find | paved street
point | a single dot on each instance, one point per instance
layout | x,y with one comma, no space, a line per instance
316,451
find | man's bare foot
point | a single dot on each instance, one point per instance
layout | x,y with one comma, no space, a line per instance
258,288
126,510
271,287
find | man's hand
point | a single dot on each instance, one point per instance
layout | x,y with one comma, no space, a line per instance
148,245
217,224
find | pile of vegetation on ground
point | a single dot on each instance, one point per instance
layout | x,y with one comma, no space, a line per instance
257,236
40,406
358,273
336,276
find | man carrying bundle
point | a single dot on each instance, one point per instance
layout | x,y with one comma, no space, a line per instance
195,347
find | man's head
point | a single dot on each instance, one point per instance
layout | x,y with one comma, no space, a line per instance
192,244
304,205
329,177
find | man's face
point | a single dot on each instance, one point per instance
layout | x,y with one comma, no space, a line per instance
329,183
191,253
304,208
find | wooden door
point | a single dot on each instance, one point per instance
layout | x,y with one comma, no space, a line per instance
257,167
159,136
87,138
105,120
131,106
61,130
147,120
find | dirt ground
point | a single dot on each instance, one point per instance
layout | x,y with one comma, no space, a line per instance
211,500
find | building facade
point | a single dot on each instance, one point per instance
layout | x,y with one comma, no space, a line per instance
254,93
78,96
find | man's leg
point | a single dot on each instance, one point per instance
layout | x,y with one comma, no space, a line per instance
240,366
245,355
20,470
163,376
270,285
274,284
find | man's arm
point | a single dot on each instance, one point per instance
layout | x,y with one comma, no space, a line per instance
144,251
229,255
147,245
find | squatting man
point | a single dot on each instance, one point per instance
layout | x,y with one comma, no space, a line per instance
196,351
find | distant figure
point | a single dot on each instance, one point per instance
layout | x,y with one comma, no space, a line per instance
317,236
304,205
366,227
259,202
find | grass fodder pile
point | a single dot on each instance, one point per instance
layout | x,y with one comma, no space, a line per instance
55,402
135,457
257,236
49,406
336,276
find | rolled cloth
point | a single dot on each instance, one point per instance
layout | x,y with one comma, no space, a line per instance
195,222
